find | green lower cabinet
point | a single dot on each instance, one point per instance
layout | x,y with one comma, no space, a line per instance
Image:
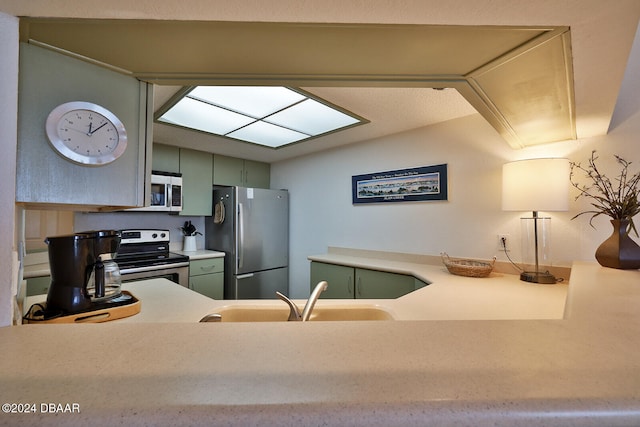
380,284
206,276
339,277
350,282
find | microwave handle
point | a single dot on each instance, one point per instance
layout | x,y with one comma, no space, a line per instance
168,195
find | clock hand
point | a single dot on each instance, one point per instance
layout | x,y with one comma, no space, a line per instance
75,130
91,132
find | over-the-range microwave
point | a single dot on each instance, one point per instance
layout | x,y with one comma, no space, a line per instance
166,193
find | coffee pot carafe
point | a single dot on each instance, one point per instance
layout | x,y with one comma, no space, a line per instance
73,260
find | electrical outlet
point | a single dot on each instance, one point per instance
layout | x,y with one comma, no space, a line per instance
503,242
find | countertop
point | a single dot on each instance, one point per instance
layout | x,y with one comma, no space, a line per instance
201,254
160,301
579,369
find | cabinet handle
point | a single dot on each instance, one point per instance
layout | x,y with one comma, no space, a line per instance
349,284
359,286
209,268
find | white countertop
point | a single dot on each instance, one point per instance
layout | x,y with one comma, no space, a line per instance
160,301
580,370
201,254
450,297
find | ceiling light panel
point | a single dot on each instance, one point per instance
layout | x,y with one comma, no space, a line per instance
204,117
256,101
271,116
312,117
267,134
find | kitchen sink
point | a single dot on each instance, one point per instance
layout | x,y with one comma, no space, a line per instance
264,313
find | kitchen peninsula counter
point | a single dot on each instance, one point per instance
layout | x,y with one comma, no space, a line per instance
576,370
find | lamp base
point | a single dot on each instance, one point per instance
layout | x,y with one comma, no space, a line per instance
545,278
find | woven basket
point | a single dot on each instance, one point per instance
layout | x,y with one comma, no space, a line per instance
467,267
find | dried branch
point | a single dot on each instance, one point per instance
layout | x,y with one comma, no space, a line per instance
616,201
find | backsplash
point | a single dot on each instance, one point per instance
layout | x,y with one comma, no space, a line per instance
122,220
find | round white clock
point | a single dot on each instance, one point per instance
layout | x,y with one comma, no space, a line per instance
86,133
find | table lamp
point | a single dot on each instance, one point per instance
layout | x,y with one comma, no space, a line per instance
536,185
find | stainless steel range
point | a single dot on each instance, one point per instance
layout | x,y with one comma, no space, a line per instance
144,254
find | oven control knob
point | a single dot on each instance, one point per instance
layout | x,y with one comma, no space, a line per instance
154,235
163,235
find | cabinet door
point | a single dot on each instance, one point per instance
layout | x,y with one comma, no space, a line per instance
165,158
48,79
41,224
338,277
257,174
206,266
380,284
210,285
228,170
197,194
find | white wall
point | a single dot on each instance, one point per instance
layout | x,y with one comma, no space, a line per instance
8,141
467,224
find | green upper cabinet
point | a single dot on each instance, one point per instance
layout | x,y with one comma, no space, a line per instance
200,170
48,79
166,158
196,168
240,172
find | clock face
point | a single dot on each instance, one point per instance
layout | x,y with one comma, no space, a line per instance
86,133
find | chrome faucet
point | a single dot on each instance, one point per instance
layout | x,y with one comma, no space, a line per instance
294,312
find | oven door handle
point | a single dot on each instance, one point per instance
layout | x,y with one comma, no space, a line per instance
152,268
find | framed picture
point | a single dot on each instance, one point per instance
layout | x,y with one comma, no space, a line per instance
404,185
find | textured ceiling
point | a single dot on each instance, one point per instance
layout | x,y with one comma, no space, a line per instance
601,38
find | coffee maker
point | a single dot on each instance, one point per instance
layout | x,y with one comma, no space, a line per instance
73,260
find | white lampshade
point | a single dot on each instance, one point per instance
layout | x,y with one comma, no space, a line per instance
536,185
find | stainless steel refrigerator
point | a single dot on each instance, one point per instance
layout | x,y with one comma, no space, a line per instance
251,226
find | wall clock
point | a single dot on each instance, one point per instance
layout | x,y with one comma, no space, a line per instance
86,133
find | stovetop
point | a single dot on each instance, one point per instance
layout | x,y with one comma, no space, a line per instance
146,247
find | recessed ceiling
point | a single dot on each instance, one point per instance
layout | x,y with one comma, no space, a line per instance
601,39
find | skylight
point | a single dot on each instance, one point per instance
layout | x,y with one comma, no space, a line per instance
272,116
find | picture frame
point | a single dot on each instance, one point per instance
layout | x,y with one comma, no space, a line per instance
419,184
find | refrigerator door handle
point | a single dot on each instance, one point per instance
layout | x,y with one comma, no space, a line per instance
244,276
240,236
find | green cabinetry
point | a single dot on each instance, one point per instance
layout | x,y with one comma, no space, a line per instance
200,170
196,168
352,282
240,172
48,79
206,276
166,158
